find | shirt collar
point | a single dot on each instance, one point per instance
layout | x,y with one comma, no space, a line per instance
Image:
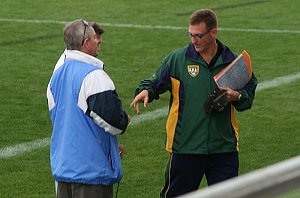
226,54
80,56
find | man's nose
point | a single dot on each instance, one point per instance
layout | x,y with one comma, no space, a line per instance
194,40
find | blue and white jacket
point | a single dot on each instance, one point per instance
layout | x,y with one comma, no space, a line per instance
86,116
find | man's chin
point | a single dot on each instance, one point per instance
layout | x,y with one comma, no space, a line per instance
198,49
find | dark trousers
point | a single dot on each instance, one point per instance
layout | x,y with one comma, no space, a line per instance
184,172
73,190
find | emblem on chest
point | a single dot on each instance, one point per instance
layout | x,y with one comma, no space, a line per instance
193,70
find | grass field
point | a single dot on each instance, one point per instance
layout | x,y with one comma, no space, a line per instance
138,35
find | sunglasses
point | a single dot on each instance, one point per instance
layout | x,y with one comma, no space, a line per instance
85,23
198,36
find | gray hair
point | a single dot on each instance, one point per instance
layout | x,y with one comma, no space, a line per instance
76,32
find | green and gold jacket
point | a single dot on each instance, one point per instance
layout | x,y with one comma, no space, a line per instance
190,130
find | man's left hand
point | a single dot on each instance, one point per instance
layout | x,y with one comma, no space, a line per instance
231,95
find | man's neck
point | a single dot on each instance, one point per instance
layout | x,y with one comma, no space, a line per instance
209,54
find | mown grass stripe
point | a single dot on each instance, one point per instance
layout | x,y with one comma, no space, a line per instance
151,26
36,144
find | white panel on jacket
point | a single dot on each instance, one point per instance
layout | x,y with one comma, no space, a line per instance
107,127
50,98
95,82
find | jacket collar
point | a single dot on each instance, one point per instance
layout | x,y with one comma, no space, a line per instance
227,55
83,57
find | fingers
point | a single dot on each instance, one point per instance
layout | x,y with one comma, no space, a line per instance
141,97
133,103
146,99
121,149
129,119
224,89
137,110
231,95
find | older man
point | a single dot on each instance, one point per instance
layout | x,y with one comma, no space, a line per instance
86,115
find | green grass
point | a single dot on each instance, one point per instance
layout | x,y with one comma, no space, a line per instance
269,132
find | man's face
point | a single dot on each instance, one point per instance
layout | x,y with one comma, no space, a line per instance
97,43
201,37
92,45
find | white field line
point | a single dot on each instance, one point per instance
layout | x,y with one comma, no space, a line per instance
278,81
149,26
23,148
152,115
18,149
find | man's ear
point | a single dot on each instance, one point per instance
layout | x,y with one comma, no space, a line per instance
85,43
214,31
85,46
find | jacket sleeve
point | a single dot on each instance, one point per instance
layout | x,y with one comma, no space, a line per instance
248,93
102,103
158,83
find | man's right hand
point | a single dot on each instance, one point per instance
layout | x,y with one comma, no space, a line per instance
141,97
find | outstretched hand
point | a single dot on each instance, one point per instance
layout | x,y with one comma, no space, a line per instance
141,97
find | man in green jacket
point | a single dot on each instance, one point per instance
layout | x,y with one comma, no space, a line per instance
200,143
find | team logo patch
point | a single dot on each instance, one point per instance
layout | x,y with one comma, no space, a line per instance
193,70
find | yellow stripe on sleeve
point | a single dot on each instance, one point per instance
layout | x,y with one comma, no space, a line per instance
173,115
235,126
